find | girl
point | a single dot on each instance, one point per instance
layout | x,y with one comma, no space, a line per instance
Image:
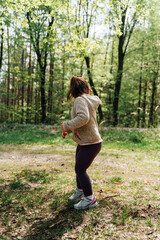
85,133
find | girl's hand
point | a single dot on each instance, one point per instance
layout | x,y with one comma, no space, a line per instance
64,133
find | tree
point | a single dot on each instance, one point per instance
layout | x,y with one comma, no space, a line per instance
51,41
84,21
124,14
1,47
36,29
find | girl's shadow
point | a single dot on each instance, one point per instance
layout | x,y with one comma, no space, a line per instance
55,227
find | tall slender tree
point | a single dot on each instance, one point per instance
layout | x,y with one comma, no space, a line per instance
1,46
126,14
36,29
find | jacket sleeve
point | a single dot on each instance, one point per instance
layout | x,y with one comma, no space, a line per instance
82,115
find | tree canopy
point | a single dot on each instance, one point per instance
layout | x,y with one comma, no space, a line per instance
114,44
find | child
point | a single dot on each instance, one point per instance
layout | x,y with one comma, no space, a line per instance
85,133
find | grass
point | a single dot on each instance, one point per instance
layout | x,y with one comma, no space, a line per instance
119,138
37,177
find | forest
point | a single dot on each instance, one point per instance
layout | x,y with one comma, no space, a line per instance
114,44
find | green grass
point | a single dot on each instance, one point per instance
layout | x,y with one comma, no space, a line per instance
112,137
132,138
28,134
37,178
115,180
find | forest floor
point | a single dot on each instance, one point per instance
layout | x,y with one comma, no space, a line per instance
37,178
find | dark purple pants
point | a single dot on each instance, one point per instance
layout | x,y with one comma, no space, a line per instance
84,157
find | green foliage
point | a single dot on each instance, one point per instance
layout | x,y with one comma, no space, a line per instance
115,180
34,176
57,49
49,135
122,135
132,139
121,217
31,134
16,184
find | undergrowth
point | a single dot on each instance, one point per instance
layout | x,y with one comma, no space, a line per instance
112,137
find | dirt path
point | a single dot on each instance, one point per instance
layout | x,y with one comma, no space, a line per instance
126,182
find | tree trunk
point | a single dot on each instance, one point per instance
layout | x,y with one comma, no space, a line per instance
81,69
121,55
63,76
50,89
124,39
118,80
139,100
151,113
43,96
8,78
110,87
1,53
144,104
22,82
13,90
42,84
28,114
13,98
36,106
42,61
140,89
87,59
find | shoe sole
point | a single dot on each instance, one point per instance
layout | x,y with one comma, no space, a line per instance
75,200
89,206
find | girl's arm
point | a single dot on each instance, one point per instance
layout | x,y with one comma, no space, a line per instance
82,115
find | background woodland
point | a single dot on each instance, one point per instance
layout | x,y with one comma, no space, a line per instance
114,44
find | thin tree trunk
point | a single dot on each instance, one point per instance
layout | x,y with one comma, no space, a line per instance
13,97
123,42
63,76
118,82
28,117
13,90
8,79
144,104
87,59
50,90
43,96
151,113
110,87
140,89
139,100
36,106
1,53
22,82
81,69
41,61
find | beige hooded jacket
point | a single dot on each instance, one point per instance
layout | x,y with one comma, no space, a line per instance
84,124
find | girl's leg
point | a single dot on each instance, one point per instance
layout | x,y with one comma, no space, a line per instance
77,180
84,157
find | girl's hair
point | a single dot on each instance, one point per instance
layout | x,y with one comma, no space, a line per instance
78,86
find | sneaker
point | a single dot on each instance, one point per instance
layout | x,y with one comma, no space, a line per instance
76,195
86,203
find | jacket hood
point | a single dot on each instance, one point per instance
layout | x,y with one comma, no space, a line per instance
93,101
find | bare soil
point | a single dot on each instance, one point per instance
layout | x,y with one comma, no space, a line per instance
126,183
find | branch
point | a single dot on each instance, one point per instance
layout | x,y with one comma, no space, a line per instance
46,44
129,36
36,42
